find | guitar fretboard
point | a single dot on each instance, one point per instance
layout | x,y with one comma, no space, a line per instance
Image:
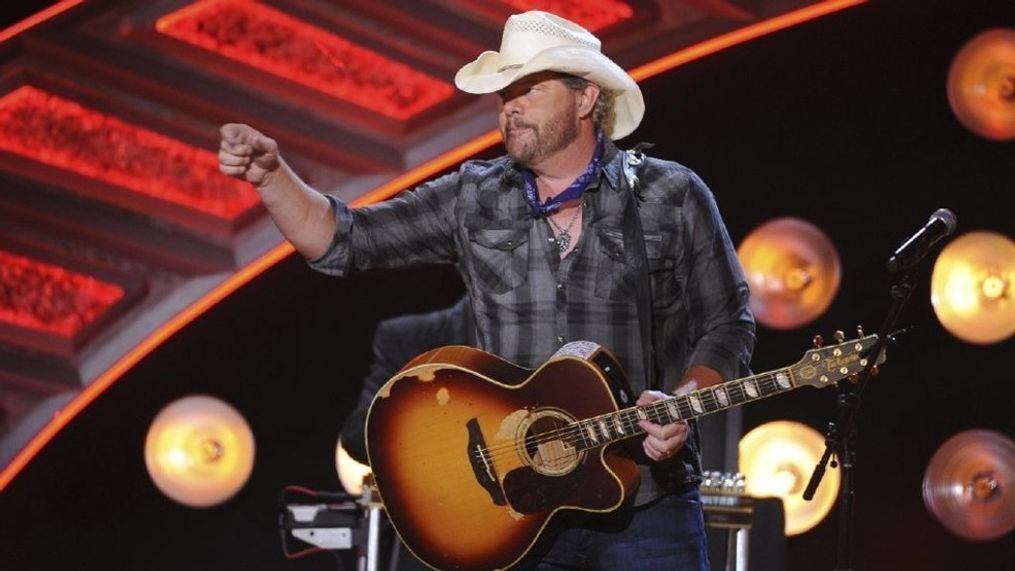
605,429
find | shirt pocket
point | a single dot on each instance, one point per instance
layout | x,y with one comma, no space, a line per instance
499,262
617,278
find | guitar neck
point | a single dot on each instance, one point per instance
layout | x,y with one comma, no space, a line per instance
613,427
820,367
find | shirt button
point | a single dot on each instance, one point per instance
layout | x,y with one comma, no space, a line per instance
560,286
560,339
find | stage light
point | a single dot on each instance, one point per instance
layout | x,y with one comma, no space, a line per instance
981,84
968,485
973,287
793,270
199,451
350,472
777,459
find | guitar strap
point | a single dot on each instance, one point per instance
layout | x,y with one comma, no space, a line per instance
634,235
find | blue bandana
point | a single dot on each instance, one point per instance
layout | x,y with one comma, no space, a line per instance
573,191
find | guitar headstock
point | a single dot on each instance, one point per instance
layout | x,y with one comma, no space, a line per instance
823,366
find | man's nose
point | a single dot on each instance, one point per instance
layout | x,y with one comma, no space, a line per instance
511,107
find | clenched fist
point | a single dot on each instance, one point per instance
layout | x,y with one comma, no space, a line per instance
247,154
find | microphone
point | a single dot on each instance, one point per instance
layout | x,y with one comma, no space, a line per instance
942,223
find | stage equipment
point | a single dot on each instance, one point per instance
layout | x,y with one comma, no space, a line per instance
968,485
841,434
312,521
744,532
727,507
941,224
793,270
776,459
350,472
199,451
981,84
973,287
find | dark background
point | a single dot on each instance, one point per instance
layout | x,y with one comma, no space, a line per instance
843,122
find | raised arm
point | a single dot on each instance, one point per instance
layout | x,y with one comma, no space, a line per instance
302,214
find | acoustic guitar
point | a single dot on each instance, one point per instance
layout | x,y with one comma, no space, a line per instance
472,455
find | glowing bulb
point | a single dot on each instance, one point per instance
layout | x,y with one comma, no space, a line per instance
971,287
776,459
199,451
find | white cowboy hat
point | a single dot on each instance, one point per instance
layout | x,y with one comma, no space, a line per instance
538,41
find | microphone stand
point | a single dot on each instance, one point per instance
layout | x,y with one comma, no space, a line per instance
840,437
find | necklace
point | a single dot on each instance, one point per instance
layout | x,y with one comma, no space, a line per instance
563,238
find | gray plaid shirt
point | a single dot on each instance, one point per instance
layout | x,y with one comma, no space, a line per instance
528,302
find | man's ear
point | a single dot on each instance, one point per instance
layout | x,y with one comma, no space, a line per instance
587,98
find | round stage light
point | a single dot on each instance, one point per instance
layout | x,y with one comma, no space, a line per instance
973,287
968,485
199,451
793,270
981,84
777,459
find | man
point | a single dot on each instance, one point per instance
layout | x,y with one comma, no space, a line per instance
553,242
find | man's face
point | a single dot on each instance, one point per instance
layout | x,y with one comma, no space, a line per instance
538,116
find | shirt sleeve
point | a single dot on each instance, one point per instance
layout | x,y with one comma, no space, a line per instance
414,228
722,325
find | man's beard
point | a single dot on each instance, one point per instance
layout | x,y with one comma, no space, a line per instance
529,144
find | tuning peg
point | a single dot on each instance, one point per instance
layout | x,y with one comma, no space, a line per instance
818,341
839,336
859,331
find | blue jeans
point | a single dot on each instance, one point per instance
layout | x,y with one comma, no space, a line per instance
666,534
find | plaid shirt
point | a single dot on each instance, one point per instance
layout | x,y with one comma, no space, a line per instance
528,302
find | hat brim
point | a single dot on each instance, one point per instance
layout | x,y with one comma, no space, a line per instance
487,74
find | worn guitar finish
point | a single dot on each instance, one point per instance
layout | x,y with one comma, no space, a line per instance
472,455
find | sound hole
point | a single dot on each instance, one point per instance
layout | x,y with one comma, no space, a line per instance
549,443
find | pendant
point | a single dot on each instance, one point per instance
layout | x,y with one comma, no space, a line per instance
563,241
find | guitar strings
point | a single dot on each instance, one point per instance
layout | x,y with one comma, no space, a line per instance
656,411
767,384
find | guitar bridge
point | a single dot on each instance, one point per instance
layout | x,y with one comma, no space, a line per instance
482,464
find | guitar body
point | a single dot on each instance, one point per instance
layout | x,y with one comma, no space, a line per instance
470,456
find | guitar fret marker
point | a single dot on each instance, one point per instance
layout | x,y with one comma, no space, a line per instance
619,425
672,408
642,414
592,433
720,394
783,380
605,429
751,388
695,403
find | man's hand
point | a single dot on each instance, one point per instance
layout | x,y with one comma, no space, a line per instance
662,441
247,154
